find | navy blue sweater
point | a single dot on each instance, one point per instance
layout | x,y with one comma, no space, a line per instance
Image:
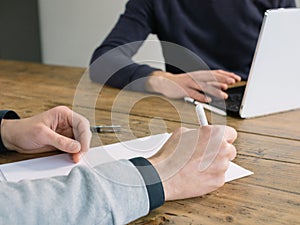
221,33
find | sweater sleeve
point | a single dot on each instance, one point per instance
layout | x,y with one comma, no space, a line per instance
6,114
111,193
112,62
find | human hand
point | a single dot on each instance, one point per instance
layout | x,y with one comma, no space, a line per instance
48,131
196,84
193,162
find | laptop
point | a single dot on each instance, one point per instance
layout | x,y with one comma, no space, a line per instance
273,84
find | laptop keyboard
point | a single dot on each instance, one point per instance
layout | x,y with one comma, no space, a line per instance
232,103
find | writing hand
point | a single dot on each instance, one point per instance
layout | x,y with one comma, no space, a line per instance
193,162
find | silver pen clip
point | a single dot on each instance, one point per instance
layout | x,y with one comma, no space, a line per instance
106,129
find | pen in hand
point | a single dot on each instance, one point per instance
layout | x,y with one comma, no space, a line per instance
201,115
106,129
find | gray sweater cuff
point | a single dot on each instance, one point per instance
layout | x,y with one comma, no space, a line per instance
6,114
152,180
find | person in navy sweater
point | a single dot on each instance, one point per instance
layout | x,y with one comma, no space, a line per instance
207,45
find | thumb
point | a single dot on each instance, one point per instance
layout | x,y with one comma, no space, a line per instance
63,143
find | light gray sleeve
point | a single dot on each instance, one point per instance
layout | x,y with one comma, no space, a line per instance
112,193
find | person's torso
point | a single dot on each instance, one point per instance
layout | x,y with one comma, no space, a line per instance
222,33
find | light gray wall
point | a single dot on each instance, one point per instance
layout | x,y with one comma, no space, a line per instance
71,29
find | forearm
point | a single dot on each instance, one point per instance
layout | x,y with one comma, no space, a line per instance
157,81
113,193
112,62
120,72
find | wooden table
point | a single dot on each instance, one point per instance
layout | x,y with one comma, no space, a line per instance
268,146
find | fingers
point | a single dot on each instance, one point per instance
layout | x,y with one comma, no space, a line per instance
64,144
61,142
77,126
227,151
221,162
180,85
227,135
218,149
198,96
218,85
225,77
230,134
82,133
76,157
208,90
204,170
232,152
81,130
211,83
215,75
214,90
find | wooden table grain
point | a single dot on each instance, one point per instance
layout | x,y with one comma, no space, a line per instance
269,146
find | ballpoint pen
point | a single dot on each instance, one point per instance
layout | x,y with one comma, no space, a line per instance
201,115
206,106
106,129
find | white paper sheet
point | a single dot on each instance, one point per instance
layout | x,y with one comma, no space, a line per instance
62,164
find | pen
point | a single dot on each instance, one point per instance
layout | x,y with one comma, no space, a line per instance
201,115
206,106
106,129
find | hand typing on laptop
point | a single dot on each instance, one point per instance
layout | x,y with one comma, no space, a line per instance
193,84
